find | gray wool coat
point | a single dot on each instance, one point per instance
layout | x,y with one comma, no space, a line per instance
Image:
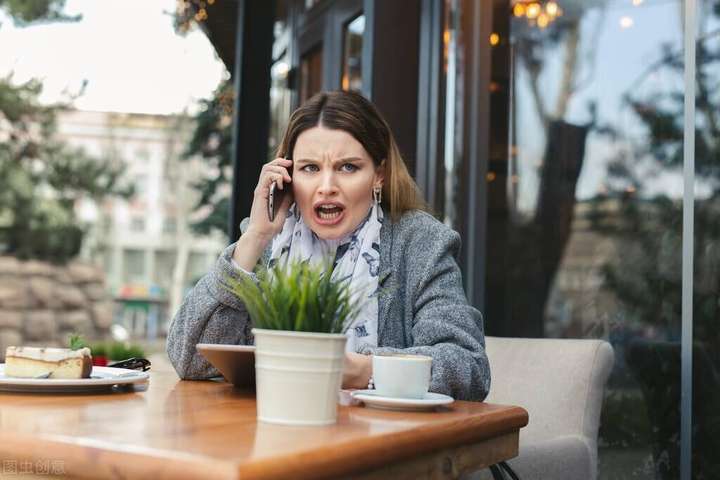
422,309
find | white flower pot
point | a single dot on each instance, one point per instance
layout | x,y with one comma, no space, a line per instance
298,376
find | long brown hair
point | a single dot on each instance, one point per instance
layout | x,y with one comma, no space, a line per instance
356,115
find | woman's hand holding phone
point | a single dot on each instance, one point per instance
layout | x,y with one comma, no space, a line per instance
277,172
261,230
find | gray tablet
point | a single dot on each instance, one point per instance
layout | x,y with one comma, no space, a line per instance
235,362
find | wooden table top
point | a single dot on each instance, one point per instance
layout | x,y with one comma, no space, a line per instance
208,429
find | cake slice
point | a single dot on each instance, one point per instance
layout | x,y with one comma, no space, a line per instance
36,362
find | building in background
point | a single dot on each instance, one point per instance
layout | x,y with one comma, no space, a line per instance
150,255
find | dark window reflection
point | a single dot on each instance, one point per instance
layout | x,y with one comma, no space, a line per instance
311,71
449,176
585,203
352,54
280,89
706,298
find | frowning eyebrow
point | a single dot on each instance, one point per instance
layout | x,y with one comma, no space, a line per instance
346,159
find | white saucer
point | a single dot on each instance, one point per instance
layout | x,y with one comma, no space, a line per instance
371,399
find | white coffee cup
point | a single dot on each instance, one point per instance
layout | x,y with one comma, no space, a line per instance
401,375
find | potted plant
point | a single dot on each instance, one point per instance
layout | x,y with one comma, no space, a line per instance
299,314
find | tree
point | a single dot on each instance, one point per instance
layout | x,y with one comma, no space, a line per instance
41,177
26,12
212,141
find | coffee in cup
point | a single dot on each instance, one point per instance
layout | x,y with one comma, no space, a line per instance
402,375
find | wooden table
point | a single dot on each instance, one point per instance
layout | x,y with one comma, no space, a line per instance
207,429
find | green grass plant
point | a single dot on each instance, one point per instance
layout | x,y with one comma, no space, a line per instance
298,297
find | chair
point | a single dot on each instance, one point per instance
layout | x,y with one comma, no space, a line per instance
560,383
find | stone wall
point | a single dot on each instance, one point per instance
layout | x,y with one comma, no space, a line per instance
42,304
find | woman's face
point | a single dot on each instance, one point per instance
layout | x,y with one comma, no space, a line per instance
333,178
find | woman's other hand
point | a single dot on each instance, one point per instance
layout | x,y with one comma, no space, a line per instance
261,230
357,371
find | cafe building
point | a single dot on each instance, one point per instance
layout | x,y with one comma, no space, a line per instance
573,144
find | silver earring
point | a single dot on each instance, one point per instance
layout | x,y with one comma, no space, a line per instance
377,195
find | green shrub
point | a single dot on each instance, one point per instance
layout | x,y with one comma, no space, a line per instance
121,351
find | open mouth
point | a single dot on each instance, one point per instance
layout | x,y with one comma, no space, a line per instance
329,212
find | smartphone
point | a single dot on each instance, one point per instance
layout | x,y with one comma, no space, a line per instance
275,198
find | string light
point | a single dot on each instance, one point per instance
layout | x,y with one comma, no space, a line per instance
185,9
626,22
201,15
537,12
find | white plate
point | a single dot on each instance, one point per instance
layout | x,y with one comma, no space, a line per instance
101,378
431,400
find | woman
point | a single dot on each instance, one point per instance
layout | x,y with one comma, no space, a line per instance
350,196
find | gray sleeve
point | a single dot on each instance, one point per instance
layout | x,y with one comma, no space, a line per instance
445,326
209,314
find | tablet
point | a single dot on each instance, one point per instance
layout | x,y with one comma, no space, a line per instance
235,362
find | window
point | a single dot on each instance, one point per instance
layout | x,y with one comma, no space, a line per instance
280,88
169,225
134,261
137,224
164,268
198,265
311,71
142,155
352,54
584,195
141,185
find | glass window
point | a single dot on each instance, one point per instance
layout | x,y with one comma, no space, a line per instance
311,71
450,173
198,264
142,154
169,225
134,262
141,181
164,268
584,192
280,88
706,282
137,224
352,53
